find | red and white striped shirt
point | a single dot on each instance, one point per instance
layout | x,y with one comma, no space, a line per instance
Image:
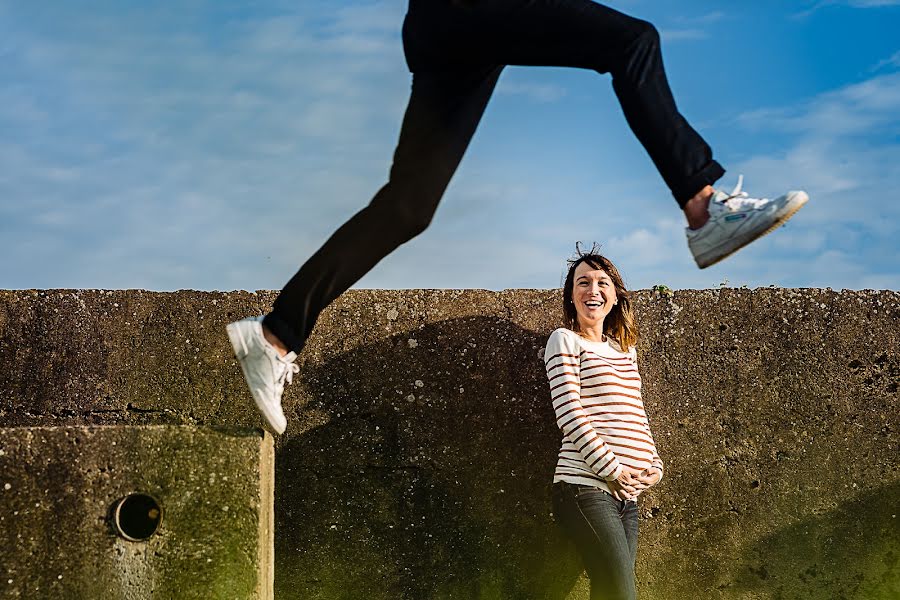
596,393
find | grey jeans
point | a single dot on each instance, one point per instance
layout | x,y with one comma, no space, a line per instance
605,532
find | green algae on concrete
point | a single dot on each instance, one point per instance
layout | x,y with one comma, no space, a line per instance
58,539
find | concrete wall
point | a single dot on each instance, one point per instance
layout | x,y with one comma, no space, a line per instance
58,532
421,441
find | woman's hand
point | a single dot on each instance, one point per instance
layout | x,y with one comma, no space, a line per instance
649,476
626,485
632,481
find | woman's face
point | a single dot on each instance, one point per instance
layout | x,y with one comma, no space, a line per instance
593,293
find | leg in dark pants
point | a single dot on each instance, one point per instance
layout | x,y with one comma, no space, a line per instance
456,51
443,112
605,532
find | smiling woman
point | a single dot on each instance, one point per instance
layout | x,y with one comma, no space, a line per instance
608,456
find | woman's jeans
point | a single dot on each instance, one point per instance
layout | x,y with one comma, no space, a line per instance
605,532
456,50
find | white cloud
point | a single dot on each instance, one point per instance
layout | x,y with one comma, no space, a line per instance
842,151
872,3
241,147
691,27
147,150
861,108
851,3
892,61
837,143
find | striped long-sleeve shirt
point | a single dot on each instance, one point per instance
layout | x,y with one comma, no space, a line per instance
596,393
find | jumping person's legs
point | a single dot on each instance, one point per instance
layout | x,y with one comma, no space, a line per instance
446,103
453,48
456,50
605,534
443,112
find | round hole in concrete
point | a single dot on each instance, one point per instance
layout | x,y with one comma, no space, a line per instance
137,516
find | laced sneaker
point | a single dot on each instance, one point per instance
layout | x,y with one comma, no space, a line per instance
265,371
735,220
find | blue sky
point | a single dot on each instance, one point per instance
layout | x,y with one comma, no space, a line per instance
215,144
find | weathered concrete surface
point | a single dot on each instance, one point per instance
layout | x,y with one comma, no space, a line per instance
421,442
57,538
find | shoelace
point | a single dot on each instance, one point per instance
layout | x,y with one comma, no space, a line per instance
287,376
738,199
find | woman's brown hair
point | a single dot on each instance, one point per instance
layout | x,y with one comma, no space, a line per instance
619,323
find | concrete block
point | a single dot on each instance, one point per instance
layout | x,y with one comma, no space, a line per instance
421,441
60,538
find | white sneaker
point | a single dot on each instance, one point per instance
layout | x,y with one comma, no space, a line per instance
735,220
265,371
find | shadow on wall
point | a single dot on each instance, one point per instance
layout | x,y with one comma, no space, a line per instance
430,475
850,552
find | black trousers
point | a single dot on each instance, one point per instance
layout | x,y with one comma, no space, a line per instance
456,50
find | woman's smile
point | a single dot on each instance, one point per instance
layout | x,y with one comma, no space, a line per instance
594,295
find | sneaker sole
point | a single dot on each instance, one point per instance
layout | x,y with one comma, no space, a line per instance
240,351
778,223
